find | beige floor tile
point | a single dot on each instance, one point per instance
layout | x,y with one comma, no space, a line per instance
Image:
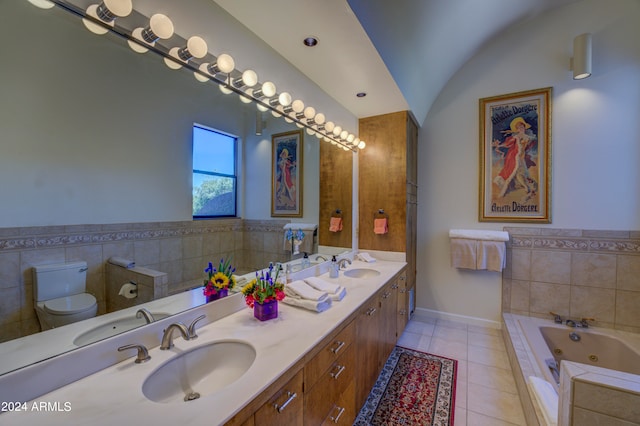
452,324
488,356
484,330
486,341
460,416
420,327
409,340
494,403
445,348
477,419
492,377
450,334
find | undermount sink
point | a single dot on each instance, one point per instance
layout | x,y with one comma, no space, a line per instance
361,273
199,372
114,327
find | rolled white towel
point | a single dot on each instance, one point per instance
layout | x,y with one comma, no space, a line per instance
120,261
479,234
304,291
335,291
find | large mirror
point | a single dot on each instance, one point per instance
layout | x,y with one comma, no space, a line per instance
93,133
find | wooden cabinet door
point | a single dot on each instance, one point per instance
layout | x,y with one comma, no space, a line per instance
403,305
285,407
367,338
387,322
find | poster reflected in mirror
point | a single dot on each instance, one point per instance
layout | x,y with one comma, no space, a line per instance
515,157
286,174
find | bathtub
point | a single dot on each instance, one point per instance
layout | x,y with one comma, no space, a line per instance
539,348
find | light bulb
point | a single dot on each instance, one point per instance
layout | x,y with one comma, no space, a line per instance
344,134
160,27
336,131
268,89
201,78
225,63
42,4
319,118
310,132
224,89
284,99
297,106
329,126
261,107
309,113
196,48
246,98
250,78
350,137
361,145
106,12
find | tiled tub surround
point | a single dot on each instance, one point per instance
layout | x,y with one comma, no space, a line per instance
179,249
574,273
528,351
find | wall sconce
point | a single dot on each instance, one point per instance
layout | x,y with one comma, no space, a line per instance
580,64
107,11
160,27
260,123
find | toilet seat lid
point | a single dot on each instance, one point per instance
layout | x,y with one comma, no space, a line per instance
70,304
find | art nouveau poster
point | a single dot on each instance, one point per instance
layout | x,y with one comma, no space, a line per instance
515,157
286,175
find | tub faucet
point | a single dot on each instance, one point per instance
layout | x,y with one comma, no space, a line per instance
584,322
570,323
341,263
167,337
144,312
556,318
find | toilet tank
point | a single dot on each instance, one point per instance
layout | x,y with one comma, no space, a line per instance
59,280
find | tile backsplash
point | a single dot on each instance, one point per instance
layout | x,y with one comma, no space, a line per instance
574,273
179,249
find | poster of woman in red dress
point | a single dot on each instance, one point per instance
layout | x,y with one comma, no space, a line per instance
515,156
287,174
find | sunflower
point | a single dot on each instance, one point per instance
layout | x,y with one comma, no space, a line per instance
220,280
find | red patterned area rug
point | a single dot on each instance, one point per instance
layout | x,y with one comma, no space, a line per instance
414,388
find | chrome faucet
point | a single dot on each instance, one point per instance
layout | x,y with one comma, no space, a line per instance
192,327
341,263
144,312
319,256
143,354
167,337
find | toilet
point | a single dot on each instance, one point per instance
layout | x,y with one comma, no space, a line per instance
59,294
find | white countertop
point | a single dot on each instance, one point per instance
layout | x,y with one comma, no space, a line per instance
114,395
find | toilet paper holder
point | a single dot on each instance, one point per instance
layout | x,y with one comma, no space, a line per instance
129,290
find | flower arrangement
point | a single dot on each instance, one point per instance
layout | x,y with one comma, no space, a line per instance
220,278
296,239
264,288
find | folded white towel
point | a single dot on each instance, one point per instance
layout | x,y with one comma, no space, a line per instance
547,398
365,257
304,291
335,291
312,305
119,261
479,234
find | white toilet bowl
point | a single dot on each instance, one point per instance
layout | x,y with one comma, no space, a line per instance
60,296
66,310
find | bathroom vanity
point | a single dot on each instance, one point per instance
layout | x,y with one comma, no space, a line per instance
306,368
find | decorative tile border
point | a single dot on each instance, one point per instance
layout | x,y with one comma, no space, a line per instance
14,239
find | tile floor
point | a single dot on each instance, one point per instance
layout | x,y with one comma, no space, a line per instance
486,392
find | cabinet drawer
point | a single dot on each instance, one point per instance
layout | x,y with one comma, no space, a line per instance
285,407
321,399
328,355
344,410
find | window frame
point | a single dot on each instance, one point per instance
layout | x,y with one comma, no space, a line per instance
233,176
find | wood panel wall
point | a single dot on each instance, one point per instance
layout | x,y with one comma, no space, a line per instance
382,180
336,192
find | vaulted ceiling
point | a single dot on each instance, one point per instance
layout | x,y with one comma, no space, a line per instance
400,53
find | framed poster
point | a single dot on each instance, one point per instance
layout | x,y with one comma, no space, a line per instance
515,157
286,174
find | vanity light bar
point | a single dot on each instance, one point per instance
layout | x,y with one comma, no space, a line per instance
220,69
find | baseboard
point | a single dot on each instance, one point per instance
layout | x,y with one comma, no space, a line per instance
424,313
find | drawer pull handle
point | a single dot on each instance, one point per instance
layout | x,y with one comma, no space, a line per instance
290,397
386,295
340,412
371,311
339,372
337,348
403,290
394,287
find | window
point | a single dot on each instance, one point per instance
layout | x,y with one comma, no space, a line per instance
214,173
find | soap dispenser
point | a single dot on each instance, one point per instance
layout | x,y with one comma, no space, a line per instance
305,261
333,269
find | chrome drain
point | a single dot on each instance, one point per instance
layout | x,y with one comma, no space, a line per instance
191,396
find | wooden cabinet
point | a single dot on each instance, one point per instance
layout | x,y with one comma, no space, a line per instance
387,179
403,305
367,326
285,407
329,381
388,314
